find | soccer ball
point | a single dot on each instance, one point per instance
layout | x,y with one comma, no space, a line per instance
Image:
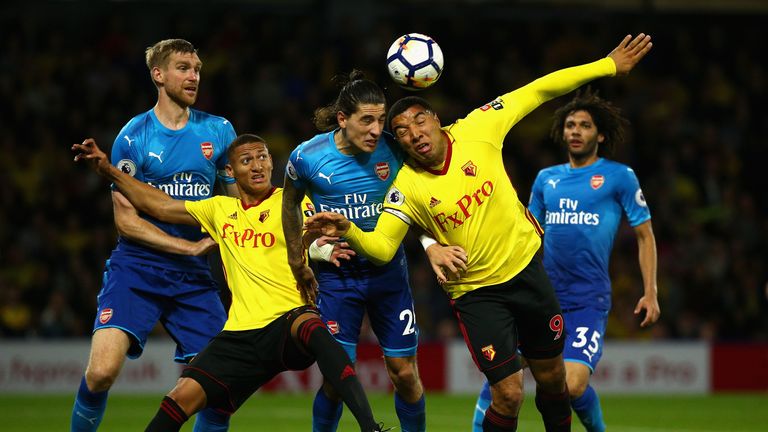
415,61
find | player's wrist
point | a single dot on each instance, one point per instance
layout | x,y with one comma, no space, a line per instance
320,253
426,241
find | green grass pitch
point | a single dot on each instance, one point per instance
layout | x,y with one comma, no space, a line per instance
280,412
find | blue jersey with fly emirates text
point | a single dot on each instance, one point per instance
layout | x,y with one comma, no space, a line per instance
183,163
353,185
580,210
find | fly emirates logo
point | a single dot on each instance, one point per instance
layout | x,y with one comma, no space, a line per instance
467,205
248,237
570,215
185,185
356,206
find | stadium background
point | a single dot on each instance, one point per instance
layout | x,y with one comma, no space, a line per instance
73,69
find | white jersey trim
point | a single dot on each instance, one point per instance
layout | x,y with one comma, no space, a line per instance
400,215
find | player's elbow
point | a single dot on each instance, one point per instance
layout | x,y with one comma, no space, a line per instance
380,260
127,226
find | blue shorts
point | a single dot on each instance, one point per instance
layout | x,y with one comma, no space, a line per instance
385,295
134,297
584,332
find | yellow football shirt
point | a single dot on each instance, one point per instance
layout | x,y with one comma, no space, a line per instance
253,251
470,201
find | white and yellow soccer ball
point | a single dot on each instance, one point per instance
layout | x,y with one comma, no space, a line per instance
415,61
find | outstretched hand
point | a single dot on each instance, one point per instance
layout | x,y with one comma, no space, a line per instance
448,262
630,51
327,223
88,151
341,249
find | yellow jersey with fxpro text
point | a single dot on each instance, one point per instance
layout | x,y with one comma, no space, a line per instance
254,254
470,201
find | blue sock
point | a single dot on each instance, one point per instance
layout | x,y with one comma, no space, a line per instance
412,416
587,407
210,420
325,413
483,402
88,409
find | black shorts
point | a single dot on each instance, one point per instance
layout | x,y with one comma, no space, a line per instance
236,363
521,313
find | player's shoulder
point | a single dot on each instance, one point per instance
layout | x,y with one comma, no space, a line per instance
612,164
315,147
198,116
554,170
133,133
618,168
138,123
409,173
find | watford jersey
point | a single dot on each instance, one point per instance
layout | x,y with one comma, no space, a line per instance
471,202
253,252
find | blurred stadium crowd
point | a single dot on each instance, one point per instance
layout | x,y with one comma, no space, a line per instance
696,104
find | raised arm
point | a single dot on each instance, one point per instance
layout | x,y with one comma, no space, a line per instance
292,229
620,61
143,196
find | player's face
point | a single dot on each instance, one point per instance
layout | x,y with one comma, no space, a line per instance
581,135
363,128
419,134
251,167
181,78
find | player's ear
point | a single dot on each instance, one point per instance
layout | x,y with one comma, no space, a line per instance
341,119
600,138
230,171
157,75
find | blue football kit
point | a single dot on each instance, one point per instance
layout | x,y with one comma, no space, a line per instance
142,285
580,210
355,186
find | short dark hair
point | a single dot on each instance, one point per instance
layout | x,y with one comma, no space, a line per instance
355,91
243,139
607,118
402,105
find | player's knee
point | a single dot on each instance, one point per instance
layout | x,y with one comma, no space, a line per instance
576,386
404,375
507,399
330,391
549,375
100,378
305,326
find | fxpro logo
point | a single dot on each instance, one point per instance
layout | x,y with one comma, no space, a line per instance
570,215
248,237
184,185
467,205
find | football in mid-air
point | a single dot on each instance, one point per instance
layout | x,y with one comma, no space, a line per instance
415,61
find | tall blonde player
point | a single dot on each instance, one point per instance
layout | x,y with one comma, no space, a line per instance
455,187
